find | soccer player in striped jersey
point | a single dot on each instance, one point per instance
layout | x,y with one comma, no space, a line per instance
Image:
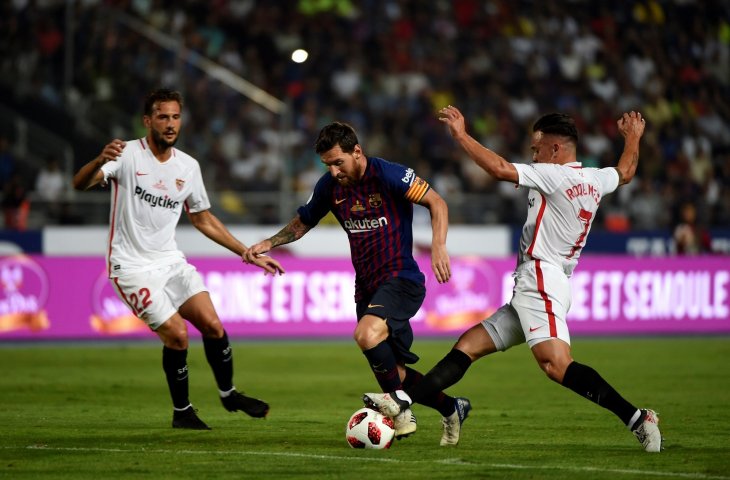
563,199
373,199
151,184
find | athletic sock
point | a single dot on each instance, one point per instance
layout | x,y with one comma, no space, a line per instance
174,363
636,420
447,372
219,353
586,382
383,364
438,401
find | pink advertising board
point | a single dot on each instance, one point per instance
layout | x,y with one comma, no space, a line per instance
71,298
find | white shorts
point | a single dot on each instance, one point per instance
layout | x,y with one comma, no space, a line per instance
537,311
156,295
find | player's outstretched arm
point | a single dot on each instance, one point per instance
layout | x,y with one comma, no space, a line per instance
440,263
209,225
291,233
90,174
631,125
489,161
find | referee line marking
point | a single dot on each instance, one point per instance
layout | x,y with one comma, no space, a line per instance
455,462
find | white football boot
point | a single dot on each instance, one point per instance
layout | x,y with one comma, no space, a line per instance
452,423
387,403
648,432
405,423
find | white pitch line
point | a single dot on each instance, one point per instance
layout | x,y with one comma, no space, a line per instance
454,462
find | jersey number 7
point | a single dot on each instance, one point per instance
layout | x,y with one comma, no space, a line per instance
585,217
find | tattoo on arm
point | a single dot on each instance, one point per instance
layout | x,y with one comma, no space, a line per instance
293,231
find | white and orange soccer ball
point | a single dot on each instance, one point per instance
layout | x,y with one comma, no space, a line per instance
368,428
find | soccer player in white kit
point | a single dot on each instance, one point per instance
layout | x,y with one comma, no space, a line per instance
151,184
563,199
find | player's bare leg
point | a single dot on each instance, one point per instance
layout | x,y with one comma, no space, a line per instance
199,310
555,359
371,335
473,344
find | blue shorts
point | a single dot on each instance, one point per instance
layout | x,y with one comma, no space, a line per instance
396,301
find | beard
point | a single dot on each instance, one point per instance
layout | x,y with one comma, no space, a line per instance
345,182
160,142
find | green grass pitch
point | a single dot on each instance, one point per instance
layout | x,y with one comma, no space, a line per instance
78,411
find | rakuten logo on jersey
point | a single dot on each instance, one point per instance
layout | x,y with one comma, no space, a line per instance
365,224
156,200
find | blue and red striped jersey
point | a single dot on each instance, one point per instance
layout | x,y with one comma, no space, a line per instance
377,215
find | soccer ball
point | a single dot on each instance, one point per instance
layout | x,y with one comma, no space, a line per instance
368,428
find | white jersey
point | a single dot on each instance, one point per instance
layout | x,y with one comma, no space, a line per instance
148,197
563,201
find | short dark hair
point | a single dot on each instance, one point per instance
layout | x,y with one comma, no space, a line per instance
336,133
557,124
161,95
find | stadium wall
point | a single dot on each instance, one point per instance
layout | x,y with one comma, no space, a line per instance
489,241
70,297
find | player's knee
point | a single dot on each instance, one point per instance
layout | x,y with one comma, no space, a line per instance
362,338
476,343
367,338
176,340
173,334
555,370
211,329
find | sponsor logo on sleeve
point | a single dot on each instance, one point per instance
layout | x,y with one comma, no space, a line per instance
408,177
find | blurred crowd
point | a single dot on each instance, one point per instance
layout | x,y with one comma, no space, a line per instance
387,66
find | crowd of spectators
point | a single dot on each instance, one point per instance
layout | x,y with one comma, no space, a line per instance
386,66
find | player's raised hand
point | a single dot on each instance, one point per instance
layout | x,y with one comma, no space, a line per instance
440,263
91,174
452,117
631,125
112,151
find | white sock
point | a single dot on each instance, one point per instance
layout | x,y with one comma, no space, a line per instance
403,396
226,394
634,419
182,409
